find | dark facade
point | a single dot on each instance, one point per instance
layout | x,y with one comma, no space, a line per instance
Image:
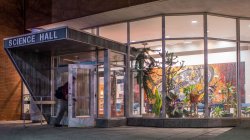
10,82
18,15
45,12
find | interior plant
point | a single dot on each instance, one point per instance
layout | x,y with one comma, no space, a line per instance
229,92
158,103
174,108
218,112
144,65
194,94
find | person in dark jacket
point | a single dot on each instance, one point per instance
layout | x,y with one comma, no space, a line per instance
62,103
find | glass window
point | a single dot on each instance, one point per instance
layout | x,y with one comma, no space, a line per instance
186,98
184,26
92,31
222,78
244,80
117,59
245,30
83,57
147,82
116,32
117,76
147,29
117,91
101,92
221,27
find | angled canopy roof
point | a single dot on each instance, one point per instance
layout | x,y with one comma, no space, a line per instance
61,40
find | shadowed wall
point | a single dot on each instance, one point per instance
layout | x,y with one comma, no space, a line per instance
11,24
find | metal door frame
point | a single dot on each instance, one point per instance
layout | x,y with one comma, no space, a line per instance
82,121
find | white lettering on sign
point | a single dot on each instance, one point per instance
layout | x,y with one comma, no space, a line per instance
48,36
41,37
22,40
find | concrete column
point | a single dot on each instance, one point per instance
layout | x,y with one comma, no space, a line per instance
107,85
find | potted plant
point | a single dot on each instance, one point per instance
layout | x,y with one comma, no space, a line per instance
158,103
229,101
217,112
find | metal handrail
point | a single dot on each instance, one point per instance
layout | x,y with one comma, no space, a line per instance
40,102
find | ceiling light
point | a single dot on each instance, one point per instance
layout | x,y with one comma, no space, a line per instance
194,21
132,41
187,42
167,36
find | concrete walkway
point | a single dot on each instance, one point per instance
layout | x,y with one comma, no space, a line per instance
15,131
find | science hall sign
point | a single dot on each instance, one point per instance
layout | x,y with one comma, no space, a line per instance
35,38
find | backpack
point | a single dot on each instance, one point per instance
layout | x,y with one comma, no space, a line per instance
59,93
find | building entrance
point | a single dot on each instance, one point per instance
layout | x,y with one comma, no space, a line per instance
81,99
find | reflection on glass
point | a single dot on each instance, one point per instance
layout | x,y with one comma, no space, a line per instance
222,79
147,29
116,32
91,31
221,27
147,75
244,80
187,96
136,94
117,91
101,92
117,59
82,106
184,26
245,30
76,58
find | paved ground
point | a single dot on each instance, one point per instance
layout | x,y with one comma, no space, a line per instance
15,131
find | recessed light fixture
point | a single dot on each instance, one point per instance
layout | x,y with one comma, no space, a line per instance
194,21
187,42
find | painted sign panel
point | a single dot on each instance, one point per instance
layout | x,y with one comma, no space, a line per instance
35,38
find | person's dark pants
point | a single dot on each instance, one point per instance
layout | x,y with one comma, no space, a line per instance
62,107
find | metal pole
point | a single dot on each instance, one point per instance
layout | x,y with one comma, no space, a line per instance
205,66
41,111
163,114
238,68
23,112
97,83
128,103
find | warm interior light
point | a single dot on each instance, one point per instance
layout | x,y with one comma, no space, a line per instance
167,36
194,21
132,41
187,42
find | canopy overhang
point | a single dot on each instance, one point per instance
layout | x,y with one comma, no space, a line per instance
60,41
31,55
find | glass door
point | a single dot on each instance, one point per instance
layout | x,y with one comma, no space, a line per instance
81,99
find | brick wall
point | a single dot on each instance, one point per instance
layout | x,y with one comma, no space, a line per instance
10,83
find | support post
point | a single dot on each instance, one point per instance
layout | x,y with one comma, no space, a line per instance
205,67
238,68
163,114
107,85
127,96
